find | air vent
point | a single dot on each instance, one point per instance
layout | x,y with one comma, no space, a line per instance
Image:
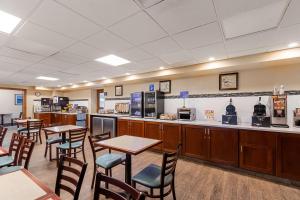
148,3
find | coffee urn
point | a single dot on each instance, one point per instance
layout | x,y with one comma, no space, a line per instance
260,117
230,117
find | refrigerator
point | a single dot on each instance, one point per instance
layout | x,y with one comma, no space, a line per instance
153,104
137,104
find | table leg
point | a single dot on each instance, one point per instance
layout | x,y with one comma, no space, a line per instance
63,136
128,169
2,120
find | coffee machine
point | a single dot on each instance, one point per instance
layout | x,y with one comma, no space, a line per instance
230,117
279,111
260,117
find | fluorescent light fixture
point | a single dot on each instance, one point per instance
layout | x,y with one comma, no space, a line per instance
127,74
41,88
8,22
112,60
47,78
89,84
162,68
74,86
70,83
85,81
63,88
211,58
293,44
103,78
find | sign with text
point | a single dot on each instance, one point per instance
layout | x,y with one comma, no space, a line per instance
184,94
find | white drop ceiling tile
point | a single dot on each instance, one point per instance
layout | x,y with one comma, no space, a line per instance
177,58
203,54
162,46
291,16
230,8
108,42
58,64
10,67
138,29
176,16
40,69
31,47
3,38
58,18
255,20
246,52
201,36
104,12
69,58
63,75
38,34
18,54
14,61
152,63
18,8
135,54
84,50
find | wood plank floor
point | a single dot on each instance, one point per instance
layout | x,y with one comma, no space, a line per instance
194,181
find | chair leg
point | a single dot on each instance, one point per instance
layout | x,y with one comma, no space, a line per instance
110,172
50,152
46,150
133,183
173,189
106,173
93,181
75,154
161,193
151,191
83,154
57,156
40,136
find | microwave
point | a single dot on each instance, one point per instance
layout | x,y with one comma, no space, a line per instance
188,114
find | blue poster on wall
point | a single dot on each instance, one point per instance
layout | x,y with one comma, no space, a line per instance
18,99
184,94
151,87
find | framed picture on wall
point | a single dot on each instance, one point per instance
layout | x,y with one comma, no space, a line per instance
18,99
119,90
229,81
165,86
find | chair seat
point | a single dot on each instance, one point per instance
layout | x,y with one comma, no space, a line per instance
54,140
150,177
110,160
6,160
73,145
7,170
22,129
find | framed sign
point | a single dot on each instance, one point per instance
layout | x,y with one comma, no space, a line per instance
228,81
18,99
165,86
119,90
151,87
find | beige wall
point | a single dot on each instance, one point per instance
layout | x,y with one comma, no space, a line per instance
250,81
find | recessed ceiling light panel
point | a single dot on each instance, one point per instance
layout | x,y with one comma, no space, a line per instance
46,78
8,22
293,44
113,60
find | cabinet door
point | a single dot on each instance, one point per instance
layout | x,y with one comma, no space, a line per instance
223,145
71,119
257,151
153,131
288,154
46,117
195,142
64,119
171,135
56,118
123,127
136,128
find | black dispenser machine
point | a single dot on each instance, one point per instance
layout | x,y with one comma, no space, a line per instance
260,117
230,117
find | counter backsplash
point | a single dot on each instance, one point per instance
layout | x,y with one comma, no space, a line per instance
244,105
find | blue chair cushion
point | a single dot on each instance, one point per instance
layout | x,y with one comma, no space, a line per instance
22,129
6,160
150,177
73,145
109,160
6,170
54,140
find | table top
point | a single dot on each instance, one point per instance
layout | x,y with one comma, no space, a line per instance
22,185
129,144
22,121
60,129
3,152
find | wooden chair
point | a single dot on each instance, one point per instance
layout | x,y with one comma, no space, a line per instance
75,142
2,134
25,152
33,130
70,178
156,177
106,161
13,152
17,118
53,139
129,191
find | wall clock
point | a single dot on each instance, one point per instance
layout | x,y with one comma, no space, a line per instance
228,81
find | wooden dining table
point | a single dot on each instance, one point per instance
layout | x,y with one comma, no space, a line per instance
23,121
130,145
22,185
62,129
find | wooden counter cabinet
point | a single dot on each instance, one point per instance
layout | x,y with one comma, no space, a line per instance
288,154
46,117
136,128
171,136
153,130
67,119
122,127
258,151
56,119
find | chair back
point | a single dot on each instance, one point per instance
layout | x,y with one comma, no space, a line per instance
129,190
169,163
25,152
21,115
15,146
97,138
36,124
77,135
2,134
70,176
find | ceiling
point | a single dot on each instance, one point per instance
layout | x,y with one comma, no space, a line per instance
62,38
